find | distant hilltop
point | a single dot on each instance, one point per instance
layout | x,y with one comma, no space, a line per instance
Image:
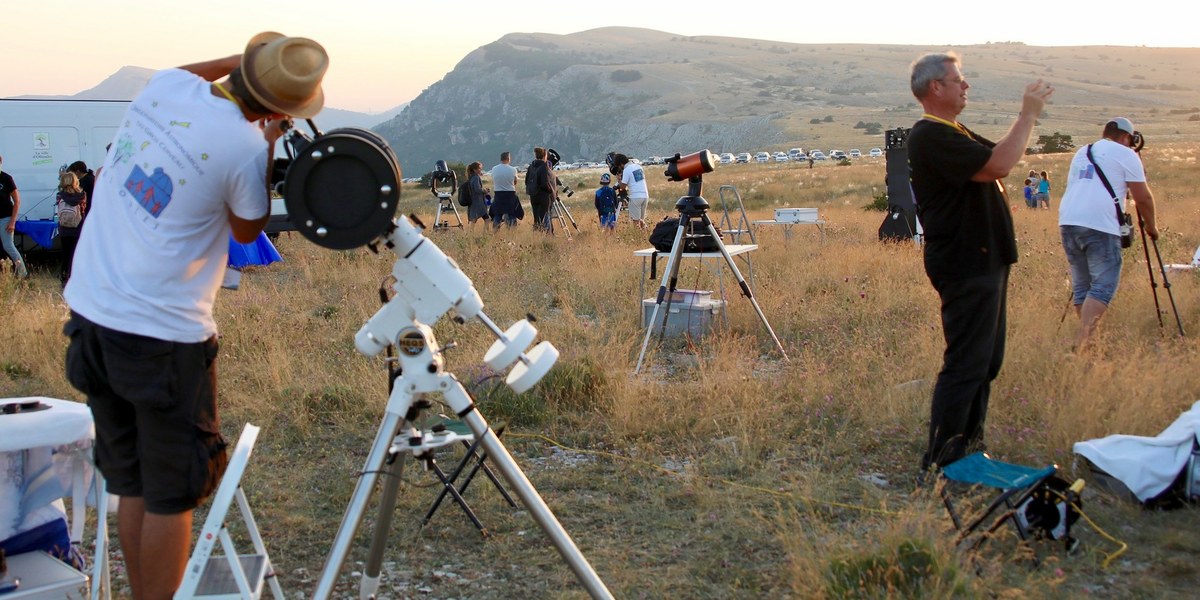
129,80
644,92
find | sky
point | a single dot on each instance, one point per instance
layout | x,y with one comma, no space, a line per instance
385,52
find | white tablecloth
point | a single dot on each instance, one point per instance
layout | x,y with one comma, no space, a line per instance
52,449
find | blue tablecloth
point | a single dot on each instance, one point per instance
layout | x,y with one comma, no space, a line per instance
259,252
41,231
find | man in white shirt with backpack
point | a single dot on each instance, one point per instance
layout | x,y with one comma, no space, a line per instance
1100,176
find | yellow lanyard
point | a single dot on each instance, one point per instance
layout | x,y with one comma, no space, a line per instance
954,124
234,100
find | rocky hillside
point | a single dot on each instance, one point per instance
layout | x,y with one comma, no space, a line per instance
646,92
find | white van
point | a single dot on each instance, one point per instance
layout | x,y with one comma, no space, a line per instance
39,138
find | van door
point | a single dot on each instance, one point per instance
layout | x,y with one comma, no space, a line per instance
33,156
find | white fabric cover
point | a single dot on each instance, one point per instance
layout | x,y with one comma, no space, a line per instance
1146,465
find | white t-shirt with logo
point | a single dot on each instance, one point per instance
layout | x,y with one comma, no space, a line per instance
151,257
634,177
504,177
1086,202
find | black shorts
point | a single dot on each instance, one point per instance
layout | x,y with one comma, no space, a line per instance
155,406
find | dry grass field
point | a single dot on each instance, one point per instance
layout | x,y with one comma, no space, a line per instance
723,471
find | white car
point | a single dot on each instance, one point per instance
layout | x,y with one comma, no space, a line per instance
762,157
727,158
781,157
875,153
837,155
796,154
744,157
855,153
816,155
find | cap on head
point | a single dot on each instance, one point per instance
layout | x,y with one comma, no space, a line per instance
284,73
605,179
1123,124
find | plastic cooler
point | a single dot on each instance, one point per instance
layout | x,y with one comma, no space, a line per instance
692,312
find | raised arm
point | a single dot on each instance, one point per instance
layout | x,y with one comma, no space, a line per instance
1011,147
213,70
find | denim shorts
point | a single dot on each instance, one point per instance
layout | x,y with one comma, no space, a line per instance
1095,261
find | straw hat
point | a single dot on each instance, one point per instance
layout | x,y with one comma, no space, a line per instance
284,73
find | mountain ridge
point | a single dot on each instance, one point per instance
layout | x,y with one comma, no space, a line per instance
643,92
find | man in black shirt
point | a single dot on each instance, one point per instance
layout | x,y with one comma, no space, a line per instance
969,244
10,209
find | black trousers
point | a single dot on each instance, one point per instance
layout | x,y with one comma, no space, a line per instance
973,323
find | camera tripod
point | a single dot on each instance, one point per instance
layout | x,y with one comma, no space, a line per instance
557,211
445,202
694,206
427,284
1154,284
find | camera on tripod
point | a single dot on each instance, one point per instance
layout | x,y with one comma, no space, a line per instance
445,175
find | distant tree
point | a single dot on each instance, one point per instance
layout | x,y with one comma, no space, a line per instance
873,128
828,119
814,121
1054,143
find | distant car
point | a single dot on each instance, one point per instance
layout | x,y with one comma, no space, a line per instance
781,157
875,153
855,153
796,154
837,155
744,157
816,155
727,158
762,157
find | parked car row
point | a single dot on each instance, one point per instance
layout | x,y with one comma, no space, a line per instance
796,154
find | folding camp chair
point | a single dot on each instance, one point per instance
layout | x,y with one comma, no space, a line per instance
231,576
1030,498
473,458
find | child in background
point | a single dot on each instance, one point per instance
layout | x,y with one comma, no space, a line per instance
1029,199
1043,191
606,203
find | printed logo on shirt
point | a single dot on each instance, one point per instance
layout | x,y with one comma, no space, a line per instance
638,175
152,192
1087,172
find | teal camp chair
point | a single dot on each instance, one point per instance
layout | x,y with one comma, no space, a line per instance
1016,485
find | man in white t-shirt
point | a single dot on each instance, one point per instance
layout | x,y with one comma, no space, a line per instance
505,204
1087,219
633,182
189,165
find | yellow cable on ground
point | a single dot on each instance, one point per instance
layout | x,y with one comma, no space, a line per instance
724,481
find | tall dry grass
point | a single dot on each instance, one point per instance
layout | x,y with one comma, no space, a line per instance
726,471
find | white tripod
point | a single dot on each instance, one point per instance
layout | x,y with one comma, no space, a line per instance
445,204
429,284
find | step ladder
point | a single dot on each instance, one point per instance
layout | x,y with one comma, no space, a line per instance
742,227
230,576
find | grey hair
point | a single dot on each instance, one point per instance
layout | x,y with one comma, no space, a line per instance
928,68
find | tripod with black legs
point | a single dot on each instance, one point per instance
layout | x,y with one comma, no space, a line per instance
692,207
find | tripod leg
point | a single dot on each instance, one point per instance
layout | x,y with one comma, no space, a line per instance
358,504
541,513
1167,286
672,266
392,472
1150,271
742,283
568,212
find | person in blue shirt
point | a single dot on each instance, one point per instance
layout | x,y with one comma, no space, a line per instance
606,203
